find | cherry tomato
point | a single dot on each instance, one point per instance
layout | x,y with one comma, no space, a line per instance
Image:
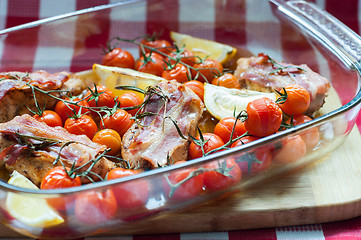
179,72
55,178
264,117
132,194
223,174
109,138
225,127
66,110
83,125
297,99
311,136
183,56
292,149
152,63
100,96
207,70
119,121
119,58
227,80
49,117
197,87
212,142
94,207
159,44
187,189
130,99
255,161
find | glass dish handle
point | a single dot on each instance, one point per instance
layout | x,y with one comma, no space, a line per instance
319,24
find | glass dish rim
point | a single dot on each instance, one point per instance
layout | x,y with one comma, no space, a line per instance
216,156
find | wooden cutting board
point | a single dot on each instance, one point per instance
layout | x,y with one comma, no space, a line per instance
326,191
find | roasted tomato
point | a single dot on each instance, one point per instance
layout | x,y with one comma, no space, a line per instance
183,56
292,149
207,70
128,100
119,121
159,44
212,141
264,117
255,161
100,96
70,107
311,136
227,80
132,194
109,138
221,175
49,117
225,127
197,87
83,125
183,184
178,72
95,207
293,99
55,178
150,63
119,58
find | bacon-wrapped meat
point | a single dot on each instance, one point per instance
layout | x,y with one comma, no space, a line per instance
154,139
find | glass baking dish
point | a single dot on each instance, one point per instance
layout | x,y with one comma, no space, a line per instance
294,31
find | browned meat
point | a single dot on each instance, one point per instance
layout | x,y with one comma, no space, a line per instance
31,147
154,139
16,97
261,74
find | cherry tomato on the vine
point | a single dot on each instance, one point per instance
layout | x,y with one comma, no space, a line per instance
95,207
70,107
212,141
179,189
311,136
225,127
132,194
49,117
119,121
83,125
109,138
130,99
197,87
264,117
220,175
255,161
207,70
150,63
295,100
100,96
292,149
55,178
119,58
159,44
227,80
183,56
179,72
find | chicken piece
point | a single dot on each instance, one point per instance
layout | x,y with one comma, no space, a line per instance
16,97
155,140
263,74
31,147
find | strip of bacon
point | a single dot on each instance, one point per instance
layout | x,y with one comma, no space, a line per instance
34,163
154,140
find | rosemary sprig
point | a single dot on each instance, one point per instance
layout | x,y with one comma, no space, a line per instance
280,68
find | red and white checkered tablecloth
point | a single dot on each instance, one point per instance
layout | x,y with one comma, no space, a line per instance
16,12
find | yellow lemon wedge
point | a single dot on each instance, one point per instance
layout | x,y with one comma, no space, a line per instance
115,76
224,102
29,210
87,76
204,48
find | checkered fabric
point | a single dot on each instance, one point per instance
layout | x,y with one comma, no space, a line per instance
16,12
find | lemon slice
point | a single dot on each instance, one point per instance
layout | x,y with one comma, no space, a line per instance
32,211
114,76
224,102
88,76
204,48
